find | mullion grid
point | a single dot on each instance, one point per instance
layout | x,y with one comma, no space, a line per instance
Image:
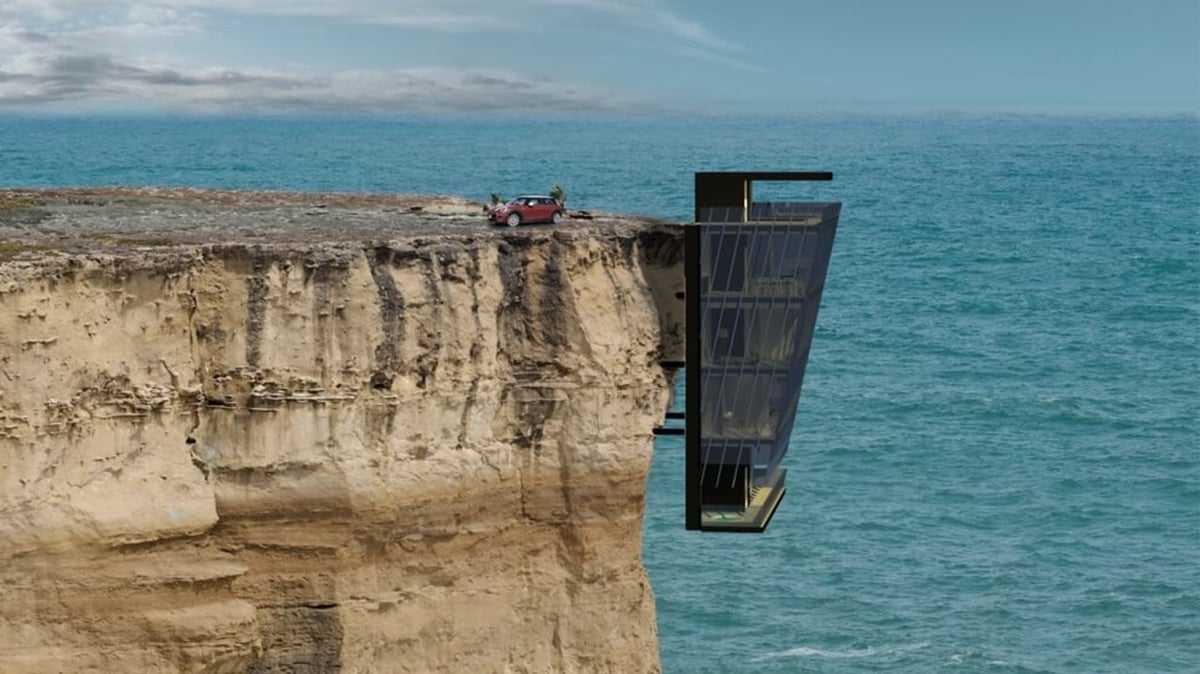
758,368
720,322
795,375
818,241
757,371
713,256
777,452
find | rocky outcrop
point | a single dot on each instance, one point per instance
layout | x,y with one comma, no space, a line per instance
401,455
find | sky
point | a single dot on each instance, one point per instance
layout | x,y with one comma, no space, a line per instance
599,56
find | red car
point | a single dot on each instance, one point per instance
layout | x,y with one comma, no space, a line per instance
527,209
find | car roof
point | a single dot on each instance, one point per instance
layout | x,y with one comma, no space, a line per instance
533,196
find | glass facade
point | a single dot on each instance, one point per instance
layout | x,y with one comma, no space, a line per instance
755,278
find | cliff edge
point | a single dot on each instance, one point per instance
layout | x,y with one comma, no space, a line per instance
257,432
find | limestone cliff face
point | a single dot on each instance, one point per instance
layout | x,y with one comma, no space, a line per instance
414,456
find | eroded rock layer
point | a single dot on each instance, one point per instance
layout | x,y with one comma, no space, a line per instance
413,456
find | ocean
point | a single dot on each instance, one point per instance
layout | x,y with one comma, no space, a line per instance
996,459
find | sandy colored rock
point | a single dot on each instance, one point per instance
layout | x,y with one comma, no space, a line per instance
380,451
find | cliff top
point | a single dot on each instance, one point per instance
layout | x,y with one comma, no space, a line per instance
118,220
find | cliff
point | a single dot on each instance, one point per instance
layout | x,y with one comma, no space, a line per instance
284,433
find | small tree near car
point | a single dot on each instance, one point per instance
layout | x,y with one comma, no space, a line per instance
557,194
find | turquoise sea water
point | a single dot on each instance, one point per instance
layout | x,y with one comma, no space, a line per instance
996,462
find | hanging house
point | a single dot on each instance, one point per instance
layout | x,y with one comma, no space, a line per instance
755,271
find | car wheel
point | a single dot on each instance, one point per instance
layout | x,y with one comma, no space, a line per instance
556,218
514,219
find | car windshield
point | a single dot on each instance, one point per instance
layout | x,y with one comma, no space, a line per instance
518,200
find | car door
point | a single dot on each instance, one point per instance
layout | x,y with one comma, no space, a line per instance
528,209
537,210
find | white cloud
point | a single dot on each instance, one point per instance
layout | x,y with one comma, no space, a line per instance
57,52
68,78
719,58
448,15
647,15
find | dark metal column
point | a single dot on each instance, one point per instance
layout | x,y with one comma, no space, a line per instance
692,269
